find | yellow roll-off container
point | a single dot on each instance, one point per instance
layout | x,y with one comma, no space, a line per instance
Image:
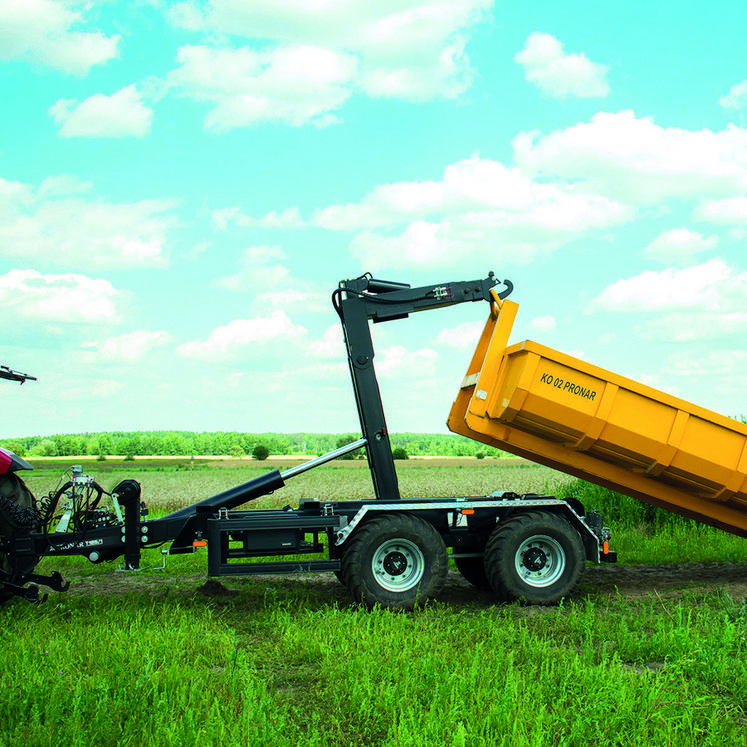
565,413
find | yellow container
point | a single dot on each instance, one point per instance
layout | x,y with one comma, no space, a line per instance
565,413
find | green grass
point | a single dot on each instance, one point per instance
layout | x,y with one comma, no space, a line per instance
282,665
642,533
288,661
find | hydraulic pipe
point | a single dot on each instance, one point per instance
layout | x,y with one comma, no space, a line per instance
233,497
261,485
306,466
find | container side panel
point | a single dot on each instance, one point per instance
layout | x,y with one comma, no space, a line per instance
570,415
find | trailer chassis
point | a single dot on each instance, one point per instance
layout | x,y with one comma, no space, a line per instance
387,551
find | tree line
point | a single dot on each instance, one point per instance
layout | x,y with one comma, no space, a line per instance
229,443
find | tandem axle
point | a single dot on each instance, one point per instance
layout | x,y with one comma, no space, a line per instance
387,551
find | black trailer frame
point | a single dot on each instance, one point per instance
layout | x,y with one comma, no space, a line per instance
386,550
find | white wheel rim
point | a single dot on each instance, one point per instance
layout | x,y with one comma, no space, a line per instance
540,561
398,565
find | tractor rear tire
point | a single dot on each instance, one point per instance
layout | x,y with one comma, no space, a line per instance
18,514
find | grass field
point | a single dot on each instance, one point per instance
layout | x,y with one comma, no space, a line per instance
648,653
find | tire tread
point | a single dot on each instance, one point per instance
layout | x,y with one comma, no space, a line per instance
499,558
356,561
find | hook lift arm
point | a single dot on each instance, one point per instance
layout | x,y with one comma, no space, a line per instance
365,298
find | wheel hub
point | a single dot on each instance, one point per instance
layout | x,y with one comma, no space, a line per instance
395,563
535,559
540,561
398,564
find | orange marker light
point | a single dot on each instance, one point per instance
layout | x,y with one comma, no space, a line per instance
605,547
199,543
468,511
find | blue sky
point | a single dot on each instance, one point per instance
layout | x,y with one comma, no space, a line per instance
182,186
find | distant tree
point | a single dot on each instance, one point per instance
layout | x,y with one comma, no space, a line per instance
399,453
151,444
129,447
64,445
344,441
261,452
175,445
46,447
106,445
236,451
16,447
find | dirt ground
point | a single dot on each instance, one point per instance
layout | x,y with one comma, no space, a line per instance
600,582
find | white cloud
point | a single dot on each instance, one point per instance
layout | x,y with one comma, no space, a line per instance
127,348
331,344
559,74
736,98
463,335
729,211
63,185
66,298
255,278
255,274
321,53
543,324
55,225
407,27
634,160
446,73
481,210
689,326
101,389
678,246
471,184
92,389
292,85
704,286
401,363
294,297
241,336
40,30
122,114
290,218
714,364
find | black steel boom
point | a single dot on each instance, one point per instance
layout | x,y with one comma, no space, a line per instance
365,298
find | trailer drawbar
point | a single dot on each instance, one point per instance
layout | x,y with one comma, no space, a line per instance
387,551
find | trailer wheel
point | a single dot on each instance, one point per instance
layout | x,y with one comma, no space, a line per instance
397,561
536,558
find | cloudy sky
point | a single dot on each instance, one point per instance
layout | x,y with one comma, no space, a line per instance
182,186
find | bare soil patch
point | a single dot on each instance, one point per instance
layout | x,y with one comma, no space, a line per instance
600,582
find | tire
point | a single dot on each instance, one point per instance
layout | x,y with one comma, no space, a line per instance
535,558
473,571
396,561
18,514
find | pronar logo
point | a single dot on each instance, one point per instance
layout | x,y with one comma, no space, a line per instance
566,385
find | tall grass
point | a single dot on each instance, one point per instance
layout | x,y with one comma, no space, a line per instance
167,487
643,533
281,665
291,662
